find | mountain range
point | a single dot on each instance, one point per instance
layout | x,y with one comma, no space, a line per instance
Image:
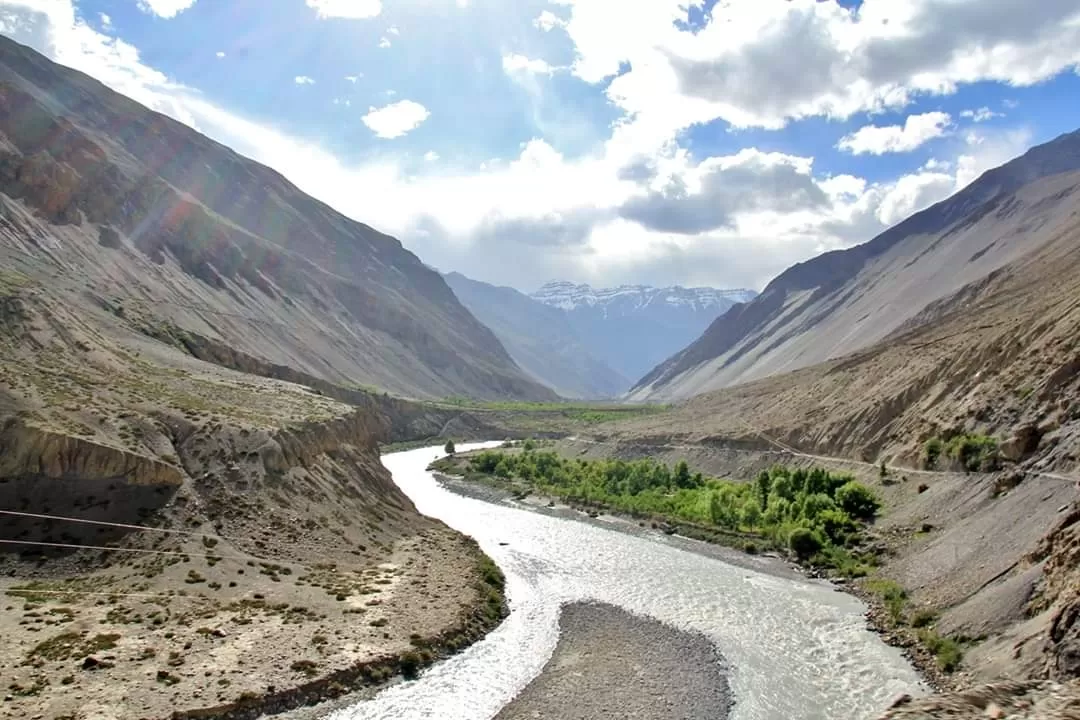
592,343
633,327
541,340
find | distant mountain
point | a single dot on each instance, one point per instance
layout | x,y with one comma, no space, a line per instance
846,300
540,339
108,204
634,327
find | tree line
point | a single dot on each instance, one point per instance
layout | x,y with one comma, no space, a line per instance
814,512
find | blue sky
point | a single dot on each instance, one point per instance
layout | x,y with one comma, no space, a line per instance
674,141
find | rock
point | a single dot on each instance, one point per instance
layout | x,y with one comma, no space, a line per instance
902,700
1022,443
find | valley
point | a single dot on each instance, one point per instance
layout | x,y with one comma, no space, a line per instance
220,399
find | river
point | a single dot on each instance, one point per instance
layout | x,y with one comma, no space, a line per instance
795,649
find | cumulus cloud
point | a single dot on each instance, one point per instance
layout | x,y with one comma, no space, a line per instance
431,156
349,9
384,42
915,132
165,8
637,208
548,21
981,114
514,63
710,195
396,119
303,80
353,78
764,64
106,21
219,54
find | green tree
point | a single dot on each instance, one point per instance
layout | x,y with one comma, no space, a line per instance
682,475
751,513
857,501
836,525
764,487
804,543
450,449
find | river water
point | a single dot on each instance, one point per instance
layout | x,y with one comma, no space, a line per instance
795,649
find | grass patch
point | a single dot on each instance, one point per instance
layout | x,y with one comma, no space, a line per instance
948,651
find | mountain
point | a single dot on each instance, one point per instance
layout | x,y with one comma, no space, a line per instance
633,327
846,300
979,299
112,206
540,338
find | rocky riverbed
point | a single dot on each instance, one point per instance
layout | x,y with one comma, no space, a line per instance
612,664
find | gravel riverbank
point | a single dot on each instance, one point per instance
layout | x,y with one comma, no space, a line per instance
612,664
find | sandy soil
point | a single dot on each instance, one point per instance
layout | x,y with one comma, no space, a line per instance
147,651
611,664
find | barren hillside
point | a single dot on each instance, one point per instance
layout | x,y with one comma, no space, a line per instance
110,204
847,300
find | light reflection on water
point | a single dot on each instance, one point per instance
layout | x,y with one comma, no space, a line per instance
797,650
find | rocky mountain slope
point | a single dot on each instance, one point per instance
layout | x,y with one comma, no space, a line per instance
633,327
847,300
120,207
194,521
541,340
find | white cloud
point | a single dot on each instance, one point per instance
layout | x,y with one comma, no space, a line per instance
354,78
981,114
165,8
220,54
106,21
763,64
349,9
384,42
548,21
590,218
431,156
514,63
396,119
303,80
393,30
915,132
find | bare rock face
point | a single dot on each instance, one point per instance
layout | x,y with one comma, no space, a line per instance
29,451
1013,700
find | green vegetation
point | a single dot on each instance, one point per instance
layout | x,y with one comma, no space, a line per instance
973,453
449,448
585,413
948,651
815,513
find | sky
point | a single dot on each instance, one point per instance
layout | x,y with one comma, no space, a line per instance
690,142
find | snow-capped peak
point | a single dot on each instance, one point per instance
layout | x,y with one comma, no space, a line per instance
570,296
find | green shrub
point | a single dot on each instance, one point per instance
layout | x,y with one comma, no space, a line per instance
804,543
932,452
949,653
974,452
410,663
857,501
